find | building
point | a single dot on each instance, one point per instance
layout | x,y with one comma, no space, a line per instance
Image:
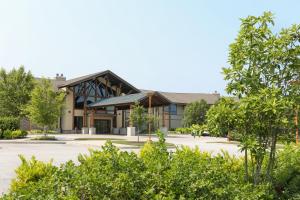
102,101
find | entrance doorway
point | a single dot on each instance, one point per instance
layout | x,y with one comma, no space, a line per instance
102,126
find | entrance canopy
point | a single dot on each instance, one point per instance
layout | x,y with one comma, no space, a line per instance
124,102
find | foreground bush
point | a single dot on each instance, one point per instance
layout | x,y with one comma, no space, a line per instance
154,174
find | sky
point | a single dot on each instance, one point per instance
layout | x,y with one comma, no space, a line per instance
164,45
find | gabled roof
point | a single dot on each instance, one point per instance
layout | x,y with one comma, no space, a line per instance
114,79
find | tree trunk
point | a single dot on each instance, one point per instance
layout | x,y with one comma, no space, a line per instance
246,164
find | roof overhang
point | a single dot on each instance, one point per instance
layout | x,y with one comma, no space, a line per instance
125,101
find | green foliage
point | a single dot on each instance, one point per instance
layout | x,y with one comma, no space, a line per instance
18,134
198,130
260,58
9,123
155,174
15,88
287,173
183,130
9,134
221,117
46,104
194,113
29,172
138,116
263,73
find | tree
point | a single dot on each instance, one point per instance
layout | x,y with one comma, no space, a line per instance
262,66
138,117
15,88
220,118
194,113
46,104
262,118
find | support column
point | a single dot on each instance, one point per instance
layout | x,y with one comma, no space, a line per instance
92,118
92,129
130,111
149,114
84,107
163,116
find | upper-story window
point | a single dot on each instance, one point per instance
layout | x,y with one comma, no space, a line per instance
93,90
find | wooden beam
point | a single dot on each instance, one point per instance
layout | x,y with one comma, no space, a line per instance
92,118
106,90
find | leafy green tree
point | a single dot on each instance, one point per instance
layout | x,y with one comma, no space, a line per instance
46,104
262,66
220,118
15,88
138,117
260,58
194,113
263,116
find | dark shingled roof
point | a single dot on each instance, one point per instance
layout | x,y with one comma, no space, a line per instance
127,99
185,98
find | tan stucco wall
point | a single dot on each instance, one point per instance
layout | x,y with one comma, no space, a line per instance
119,118
67,116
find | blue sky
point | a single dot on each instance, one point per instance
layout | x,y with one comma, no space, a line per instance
167,45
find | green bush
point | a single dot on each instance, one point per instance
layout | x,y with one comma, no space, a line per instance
183,130
18,134
9,134
9,123
154,174
287,172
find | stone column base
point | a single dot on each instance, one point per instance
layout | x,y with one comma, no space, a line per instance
85,130
130,131
92,131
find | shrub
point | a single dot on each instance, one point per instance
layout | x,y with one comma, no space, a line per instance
7,134
287,172
18,134
183,130
29,172
9,123
155,174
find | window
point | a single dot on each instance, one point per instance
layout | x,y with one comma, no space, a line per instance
78,122
173,109
95,90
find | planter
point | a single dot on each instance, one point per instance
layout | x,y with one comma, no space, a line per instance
92,131
85,130
130,131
